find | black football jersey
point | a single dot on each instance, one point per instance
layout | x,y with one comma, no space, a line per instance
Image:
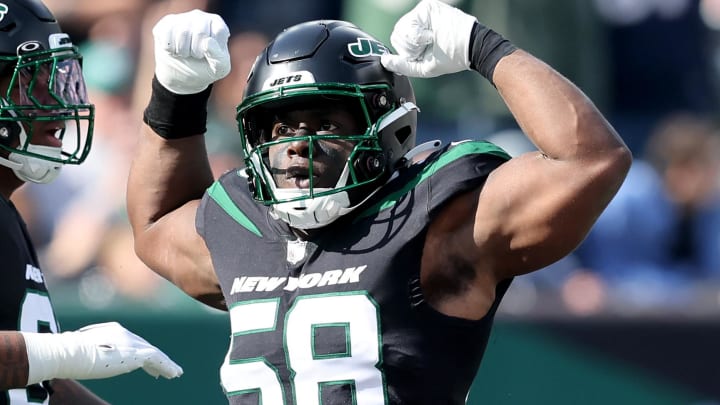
24,301
340,318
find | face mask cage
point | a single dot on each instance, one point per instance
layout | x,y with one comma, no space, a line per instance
255,113
48,86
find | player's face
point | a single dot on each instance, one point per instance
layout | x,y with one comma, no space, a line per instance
26,90
322,158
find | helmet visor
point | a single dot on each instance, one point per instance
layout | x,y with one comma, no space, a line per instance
52,88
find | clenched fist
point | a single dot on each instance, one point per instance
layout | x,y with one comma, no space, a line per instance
191,51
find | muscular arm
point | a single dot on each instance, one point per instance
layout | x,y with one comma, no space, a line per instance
13,361
167,180
537,208
171,172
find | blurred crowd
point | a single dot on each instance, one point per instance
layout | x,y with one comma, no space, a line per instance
652,66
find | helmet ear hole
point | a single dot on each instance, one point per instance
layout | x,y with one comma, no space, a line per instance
380,101
369,165
9,133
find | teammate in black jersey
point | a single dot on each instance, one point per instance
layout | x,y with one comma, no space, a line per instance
356,266
46,122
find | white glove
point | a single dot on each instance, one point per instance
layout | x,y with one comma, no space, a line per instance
95,351
191,51
432,39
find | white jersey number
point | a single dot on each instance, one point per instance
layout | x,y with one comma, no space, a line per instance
355,313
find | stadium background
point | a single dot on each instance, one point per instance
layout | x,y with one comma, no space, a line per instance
638,60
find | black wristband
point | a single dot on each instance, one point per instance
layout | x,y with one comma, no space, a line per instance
487,47
174,116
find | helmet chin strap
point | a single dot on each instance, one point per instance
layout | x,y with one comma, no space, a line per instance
315,212
30,168
35,169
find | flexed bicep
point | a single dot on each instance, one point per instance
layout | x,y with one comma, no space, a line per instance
534,210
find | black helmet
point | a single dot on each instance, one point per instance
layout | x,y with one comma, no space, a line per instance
41,81
336,61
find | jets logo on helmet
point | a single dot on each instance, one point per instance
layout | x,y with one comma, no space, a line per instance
366,47
299,77
3,10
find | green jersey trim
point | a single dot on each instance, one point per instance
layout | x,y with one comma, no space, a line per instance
218,193
451,155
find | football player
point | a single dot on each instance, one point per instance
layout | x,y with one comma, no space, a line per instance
356,266
46,122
